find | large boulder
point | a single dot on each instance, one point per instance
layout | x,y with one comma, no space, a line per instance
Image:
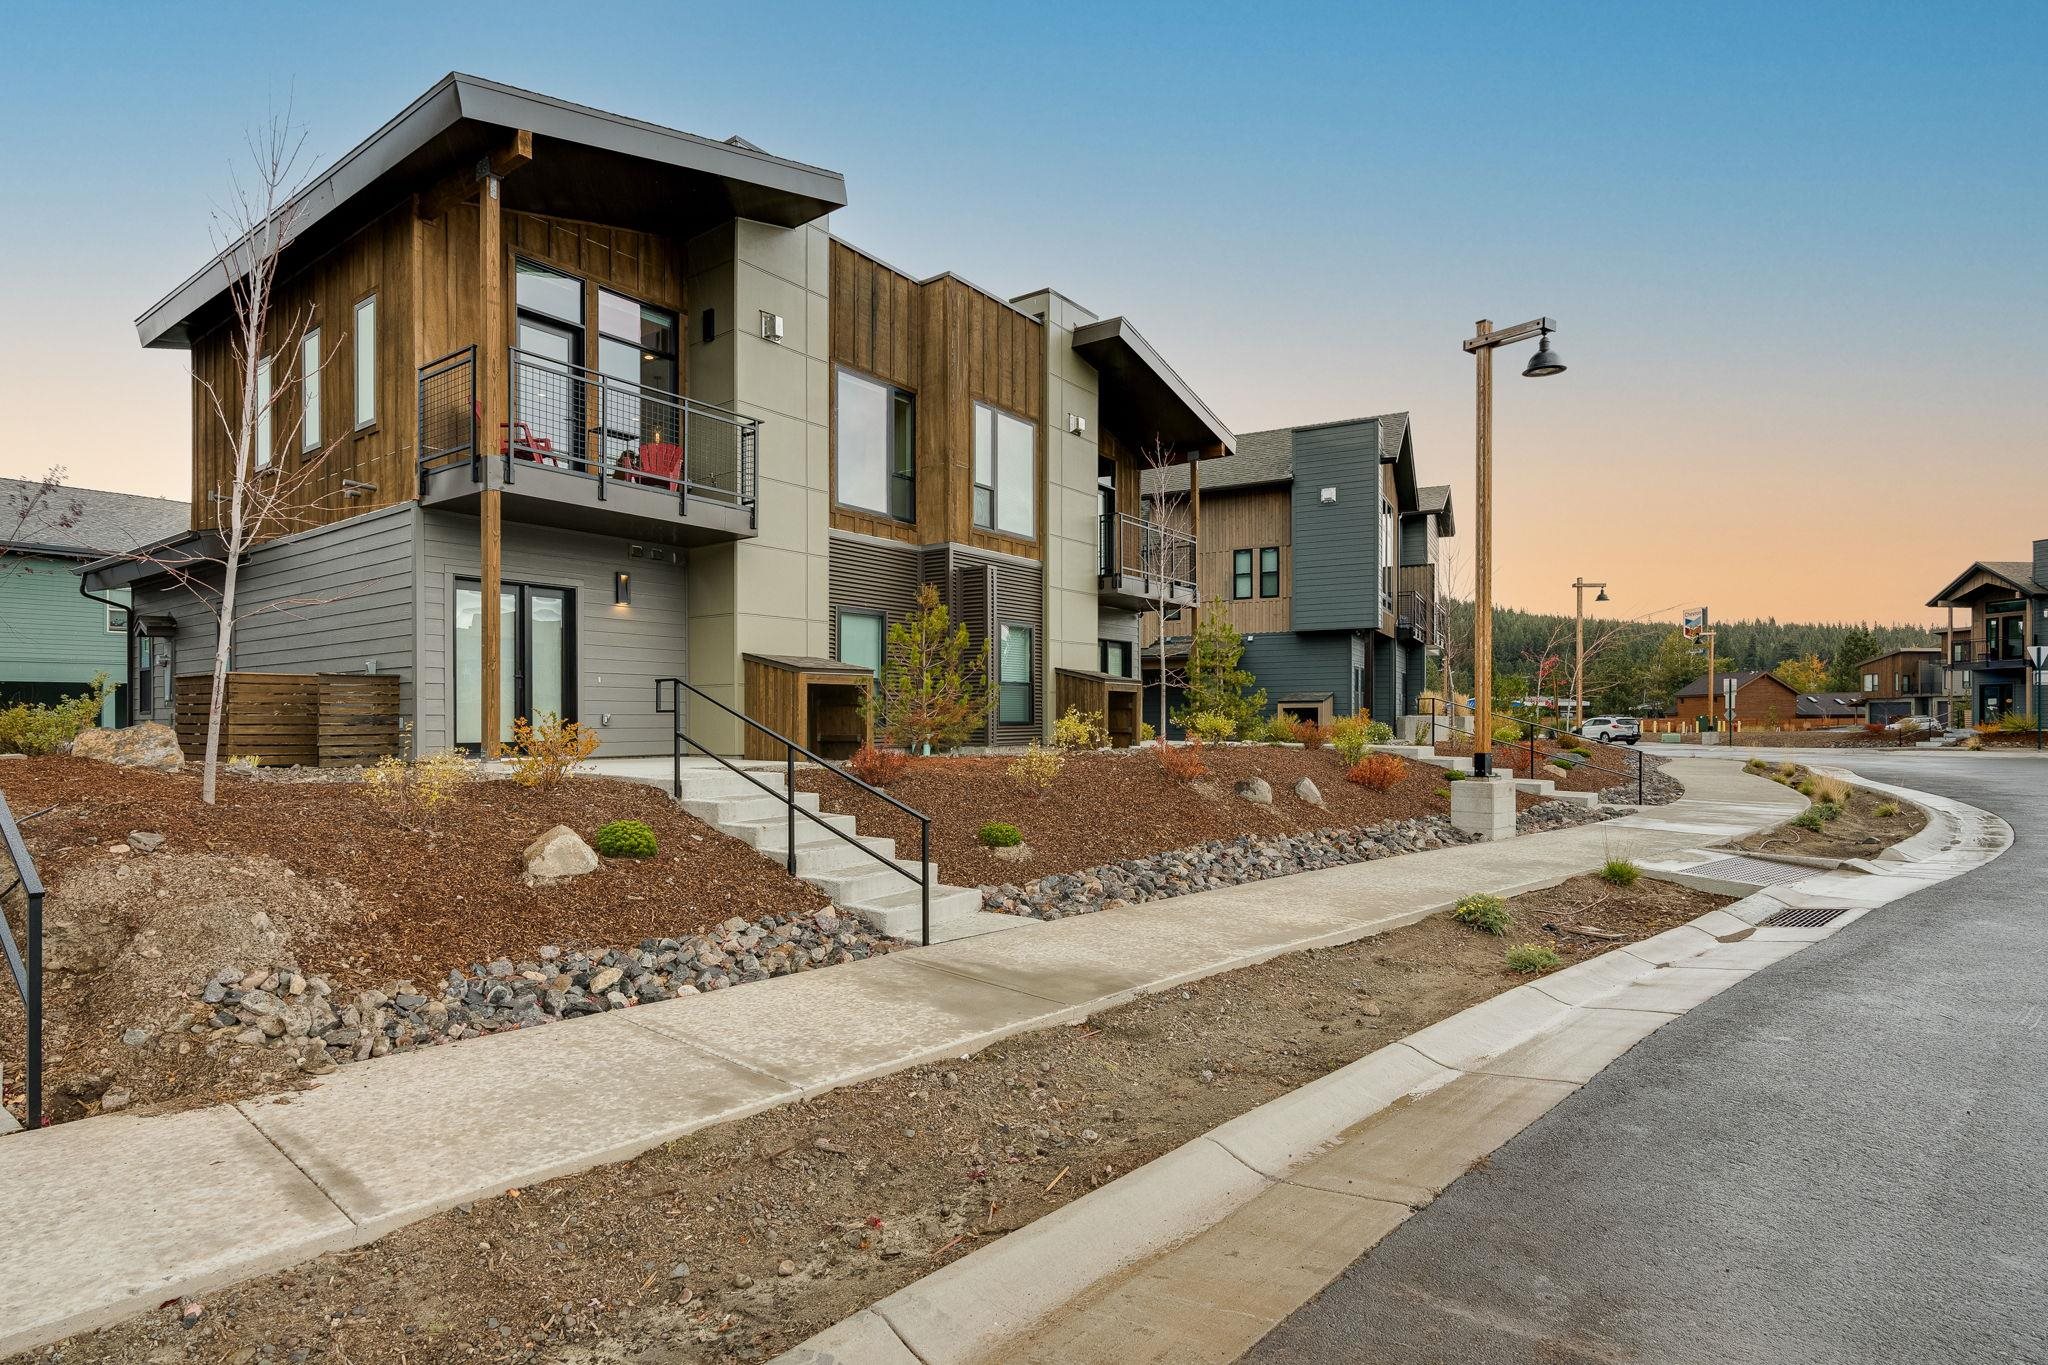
147,745
1256,790
557,856
1306,790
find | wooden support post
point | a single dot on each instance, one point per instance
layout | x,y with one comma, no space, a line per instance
1195,537
1482,566
492,358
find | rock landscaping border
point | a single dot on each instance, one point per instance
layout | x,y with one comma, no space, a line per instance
1549,815
1659,788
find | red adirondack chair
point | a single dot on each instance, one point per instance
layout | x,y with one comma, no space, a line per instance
661,464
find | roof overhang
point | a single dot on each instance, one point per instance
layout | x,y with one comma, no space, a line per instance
188,551
1948,593
586,163
1142,397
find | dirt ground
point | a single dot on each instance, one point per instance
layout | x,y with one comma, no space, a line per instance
314,874
739,1242
1107,805
1858,832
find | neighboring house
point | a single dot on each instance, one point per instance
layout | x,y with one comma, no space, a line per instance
2007,606
1905,682
630,371
1323,552
1761,698
1829,710
53,640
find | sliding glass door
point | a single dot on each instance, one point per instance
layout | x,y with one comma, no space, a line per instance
537,664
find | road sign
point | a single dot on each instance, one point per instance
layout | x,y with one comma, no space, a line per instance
2039,654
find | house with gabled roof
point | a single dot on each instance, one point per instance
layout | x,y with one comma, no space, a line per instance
2005,602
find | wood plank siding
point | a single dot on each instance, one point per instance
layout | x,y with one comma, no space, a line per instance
1248,520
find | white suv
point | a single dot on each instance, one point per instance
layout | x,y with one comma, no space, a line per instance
1612,729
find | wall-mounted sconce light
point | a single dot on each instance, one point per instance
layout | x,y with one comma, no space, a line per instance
1327,496
622,588
356,488
771,326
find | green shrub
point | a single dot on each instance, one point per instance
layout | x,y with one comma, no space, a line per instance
1455,774
2014,721
1886,810
1806,787
997,834
1507,732
40,729
1280,729
1146,734
1079,729
1378,732
1212,726
1755,765
1481,911
1532,958
625,839
1566,761
1348,738
1810,818
1828,810
1620,872
1444,792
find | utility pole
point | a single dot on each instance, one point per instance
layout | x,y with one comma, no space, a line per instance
1579,585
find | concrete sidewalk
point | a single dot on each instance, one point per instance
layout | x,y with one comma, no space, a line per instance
120,1213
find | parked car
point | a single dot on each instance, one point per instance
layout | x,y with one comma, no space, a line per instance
1613,729
1914,724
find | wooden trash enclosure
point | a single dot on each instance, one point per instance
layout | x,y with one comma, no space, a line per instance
293,719
822,704
1115,699
1314,708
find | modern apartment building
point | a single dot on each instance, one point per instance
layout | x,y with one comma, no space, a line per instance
1323,550
624,381
2007,605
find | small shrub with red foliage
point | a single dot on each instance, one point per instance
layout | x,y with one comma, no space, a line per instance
1378,772
878,767
1873,727
1182,762
1310,734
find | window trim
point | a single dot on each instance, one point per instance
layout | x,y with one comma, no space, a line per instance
1029,682
311,427
1273,550
1242,579
992,487
892,395
518,649
112,628
263,438
839,635
359,391
1129,657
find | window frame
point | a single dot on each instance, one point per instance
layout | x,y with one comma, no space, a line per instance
895,399
993,486
120,627
1242,580
517,650
881,620
1129,657
1028,682
363,370
1264,572
263,452
309,392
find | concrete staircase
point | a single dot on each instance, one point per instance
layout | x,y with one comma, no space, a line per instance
1538,786
853,876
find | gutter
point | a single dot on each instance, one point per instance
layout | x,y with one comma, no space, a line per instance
127,611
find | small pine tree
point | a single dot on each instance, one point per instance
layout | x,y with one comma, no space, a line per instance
1217,685
936,690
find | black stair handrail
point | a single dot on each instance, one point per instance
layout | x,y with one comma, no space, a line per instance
27,971
1472,709
790,749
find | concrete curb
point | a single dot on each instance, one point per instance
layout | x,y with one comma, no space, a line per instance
983,1307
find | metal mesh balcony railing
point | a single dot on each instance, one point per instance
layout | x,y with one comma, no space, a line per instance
1132,547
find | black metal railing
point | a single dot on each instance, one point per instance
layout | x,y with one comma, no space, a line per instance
1135,547
1439,713
1422,615
25,961
448,416
790,750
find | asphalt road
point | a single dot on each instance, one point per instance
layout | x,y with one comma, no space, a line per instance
1842,1159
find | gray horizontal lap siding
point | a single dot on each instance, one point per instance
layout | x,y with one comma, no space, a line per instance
1282,662
1336,550
619,650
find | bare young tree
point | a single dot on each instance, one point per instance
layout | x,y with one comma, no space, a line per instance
29,513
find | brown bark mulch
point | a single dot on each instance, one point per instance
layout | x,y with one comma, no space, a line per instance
1610,766
1111,804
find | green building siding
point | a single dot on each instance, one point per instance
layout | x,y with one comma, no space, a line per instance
50,636
1336,544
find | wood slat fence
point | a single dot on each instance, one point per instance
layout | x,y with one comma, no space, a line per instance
294,719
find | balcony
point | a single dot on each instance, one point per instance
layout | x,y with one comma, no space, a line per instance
585,451
1143,566
1419,619
2000,649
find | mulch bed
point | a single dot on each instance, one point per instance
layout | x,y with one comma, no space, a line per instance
1108,805
1858,832
428,901
1610,766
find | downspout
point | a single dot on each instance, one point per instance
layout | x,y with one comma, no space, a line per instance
127,638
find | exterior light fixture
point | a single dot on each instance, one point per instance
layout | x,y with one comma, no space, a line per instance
1602,597
622,588
1545,362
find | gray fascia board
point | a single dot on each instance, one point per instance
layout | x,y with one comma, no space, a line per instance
456,97
1119,330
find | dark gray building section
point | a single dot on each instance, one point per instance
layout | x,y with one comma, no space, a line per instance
1336,542
1292,661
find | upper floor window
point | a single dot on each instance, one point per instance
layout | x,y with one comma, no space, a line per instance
366,362
1116,658
1388,557
309,391
1269,571
261,456
875,437
1240,574
1004,472
1870,682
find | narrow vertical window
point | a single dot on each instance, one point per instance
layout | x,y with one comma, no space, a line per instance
861,640
1005,472
1269,571
1240,574
309,391
1013,666
261,458
366,362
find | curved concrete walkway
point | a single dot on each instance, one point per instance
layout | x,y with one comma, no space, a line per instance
120,1213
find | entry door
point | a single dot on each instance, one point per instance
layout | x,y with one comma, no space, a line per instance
550,402
537,667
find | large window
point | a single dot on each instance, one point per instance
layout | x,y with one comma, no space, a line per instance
861,640
1116,658
1013,676
1240,574
636,348
1004,472
548,401
366,362
537,657
309,391
1269,571
261,458
875,437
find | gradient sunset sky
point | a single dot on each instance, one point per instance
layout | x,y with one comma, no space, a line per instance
1795,250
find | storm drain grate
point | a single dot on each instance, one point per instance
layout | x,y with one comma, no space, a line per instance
1755,871
1808,917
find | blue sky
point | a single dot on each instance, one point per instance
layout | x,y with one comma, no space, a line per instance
1794,249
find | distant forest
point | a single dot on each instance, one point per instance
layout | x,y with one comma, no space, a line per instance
1639,666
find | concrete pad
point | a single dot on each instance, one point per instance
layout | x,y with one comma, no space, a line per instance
1410,1151
1593,978
1673,990
1748,955
1276,1137
863,1339
1211,1299
1673,945
827,1028
1580,1048
401,1139
1487,1029
1720,923
201,1199
965,1311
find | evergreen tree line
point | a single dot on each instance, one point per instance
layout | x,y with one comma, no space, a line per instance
1641,666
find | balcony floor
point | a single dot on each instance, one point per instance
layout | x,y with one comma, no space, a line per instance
544,496
1135,592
